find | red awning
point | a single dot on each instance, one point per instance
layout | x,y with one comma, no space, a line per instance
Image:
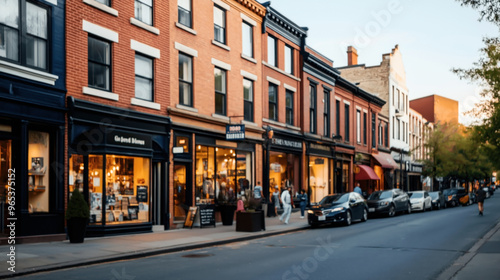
366,173
385,160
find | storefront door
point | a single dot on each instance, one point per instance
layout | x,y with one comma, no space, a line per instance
5,173
182,191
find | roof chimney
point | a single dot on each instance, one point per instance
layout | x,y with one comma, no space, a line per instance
352,56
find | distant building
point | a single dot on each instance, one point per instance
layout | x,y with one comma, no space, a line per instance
436,108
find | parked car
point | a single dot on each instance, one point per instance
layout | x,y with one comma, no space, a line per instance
420,201
454,195
338,208
488,190
438,201
388,202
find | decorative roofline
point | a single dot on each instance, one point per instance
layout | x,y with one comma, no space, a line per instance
279,20
254,6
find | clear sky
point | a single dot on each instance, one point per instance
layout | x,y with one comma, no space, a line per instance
434,36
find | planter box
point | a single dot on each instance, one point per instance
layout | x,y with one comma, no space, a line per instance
227,214
76,229
250,221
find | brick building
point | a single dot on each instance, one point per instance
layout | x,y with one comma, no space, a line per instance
436,109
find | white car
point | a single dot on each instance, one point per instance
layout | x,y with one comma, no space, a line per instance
420,200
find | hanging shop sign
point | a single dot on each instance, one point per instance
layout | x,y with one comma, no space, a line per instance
235,132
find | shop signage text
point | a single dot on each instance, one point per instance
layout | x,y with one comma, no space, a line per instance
129,139
287,143
235,132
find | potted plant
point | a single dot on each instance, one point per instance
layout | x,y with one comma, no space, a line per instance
77,216
252,219
227,206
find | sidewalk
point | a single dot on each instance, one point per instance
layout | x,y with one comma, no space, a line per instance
31,258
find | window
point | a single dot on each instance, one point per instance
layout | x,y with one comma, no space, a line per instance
219,25
398,133
312,108
143,78
184,12
185,80
247,34
386,135
393,128
144,11
105,2
337,117
220,91
347,125
374,135
24,41
248,100
99,68
365,127
271,51
289,107
38,171
288,60
273,102
326,114
380,134
358,126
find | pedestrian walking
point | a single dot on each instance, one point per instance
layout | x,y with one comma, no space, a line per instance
303,202
480,195
358,189
275,199
258,195
286,199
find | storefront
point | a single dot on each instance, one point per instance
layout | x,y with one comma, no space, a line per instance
384,166
320,171
118,158
285,162
210,172
414,176
344,155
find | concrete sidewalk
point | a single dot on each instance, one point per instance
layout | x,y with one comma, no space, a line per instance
32,258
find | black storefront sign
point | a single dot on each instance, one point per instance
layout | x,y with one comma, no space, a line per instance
235,132
320,150
122,138
207,215
287,143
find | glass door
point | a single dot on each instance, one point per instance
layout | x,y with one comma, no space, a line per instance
182,191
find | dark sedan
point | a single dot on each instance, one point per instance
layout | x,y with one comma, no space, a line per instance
389,202
338,208
438,200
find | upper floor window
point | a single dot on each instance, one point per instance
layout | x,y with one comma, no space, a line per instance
326,114
185,80
312,108
184,12
144,11
337,117
248,100
380,134
105,2
99,67
288,60
365,128
247,33
273,102
220,91
271,51
289,107
144,78
374,135
358,126
219,25
347,123
24,41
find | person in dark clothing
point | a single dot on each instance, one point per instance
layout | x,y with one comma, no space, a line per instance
480,195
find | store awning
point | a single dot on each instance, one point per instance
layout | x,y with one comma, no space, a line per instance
366,173
385,160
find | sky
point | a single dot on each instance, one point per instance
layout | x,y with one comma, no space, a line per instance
434,36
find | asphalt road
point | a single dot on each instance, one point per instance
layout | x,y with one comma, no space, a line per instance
416,246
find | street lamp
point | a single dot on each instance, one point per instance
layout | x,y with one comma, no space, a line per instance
268,136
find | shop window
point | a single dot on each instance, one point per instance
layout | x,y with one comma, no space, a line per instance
282,170
144,11
180,198
205,171
5,177
75,176
96,183
318,178
38,175
345,177
24,42
183,141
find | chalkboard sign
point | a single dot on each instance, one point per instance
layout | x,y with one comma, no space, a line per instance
191,214
207,215
142,194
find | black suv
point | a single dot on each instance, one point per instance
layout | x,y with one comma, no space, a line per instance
388,202
452,196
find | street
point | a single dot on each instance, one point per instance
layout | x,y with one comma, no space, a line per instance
416,246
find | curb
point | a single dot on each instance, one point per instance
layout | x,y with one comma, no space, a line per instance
147,253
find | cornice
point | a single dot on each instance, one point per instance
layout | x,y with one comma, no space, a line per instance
283,26
254,6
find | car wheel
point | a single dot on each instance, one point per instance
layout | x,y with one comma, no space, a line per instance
365,216
392,211
348,218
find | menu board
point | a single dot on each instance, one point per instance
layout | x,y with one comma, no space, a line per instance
142,194
207,215
191,214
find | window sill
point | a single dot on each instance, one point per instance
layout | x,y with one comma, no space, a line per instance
187,108
220,117
220,45
28,73
185,28
144,26
145,104
100,93
248,58
101,7
249,123
273,122
281,71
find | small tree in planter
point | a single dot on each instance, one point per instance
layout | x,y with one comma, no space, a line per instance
77,216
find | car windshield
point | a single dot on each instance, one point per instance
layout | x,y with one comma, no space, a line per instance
416,195
434,195
380,195
338,198
450,191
